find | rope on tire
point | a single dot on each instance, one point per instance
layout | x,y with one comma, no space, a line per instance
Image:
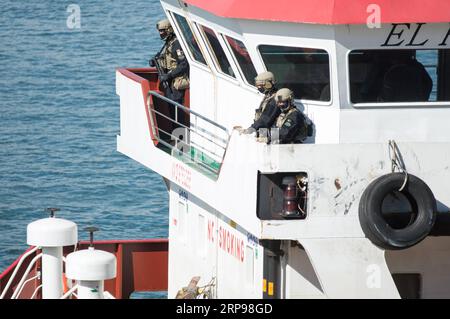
397,162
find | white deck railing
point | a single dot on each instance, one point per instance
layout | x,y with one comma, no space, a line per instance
22,282
206,140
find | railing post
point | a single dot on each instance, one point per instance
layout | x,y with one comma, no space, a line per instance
209,145
176,113
38,281
119,277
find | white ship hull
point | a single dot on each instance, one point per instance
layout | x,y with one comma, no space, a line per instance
226,191
335,259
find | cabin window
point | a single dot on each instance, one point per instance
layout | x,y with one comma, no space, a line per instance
303,70
395,76
192,44
243,59
222,61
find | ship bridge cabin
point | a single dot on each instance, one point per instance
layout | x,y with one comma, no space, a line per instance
360,208
364,76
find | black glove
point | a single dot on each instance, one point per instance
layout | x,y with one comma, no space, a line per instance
164,77
151,62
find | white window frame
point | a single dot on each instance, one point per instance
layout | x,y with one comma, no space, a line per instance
241,73
213,56
190,24
305,101
388,105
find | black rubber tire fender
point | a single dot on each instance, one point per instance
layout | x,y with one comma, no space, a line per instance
374,226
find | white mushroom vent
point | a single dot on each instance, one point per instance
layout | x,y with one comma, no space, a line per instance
52,232
91,265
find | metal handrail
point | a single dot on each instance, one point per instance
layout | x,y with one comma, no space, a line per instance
33,261
198,146
154,93
24,256
192,124
38,275
70,292
212,140
190,129
188,157
35,291
207,132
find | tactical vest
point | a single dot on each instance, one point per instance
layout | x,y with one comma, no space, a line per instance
259,111
169,63
166,60
283,117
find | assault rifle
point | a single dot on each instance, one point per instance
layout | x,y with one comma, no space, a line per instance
155,62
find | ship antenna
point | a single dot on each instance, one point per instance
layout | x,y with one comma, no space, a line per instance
91,231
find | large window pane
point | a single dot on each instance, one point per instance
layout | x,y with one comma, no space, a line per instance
243,58
189,38
221,58
305,71
383,76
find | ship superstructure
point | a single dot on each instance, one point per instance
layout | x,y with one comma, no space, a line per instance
368,189
370,119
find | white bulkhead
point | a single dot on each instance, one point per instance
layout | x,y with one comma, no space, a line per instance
210,245
215,229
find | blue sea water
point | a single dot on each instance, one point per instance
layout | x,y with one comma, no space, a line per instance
59,117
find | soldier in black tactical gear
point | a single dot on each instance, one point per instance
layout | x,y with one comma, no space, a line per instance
172,65
291,125
268,111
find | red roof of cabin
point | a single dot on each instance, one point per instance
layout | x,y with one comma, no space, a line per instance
328,11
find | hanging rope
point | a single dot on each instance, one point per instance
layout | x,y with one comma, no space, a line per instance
397,162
